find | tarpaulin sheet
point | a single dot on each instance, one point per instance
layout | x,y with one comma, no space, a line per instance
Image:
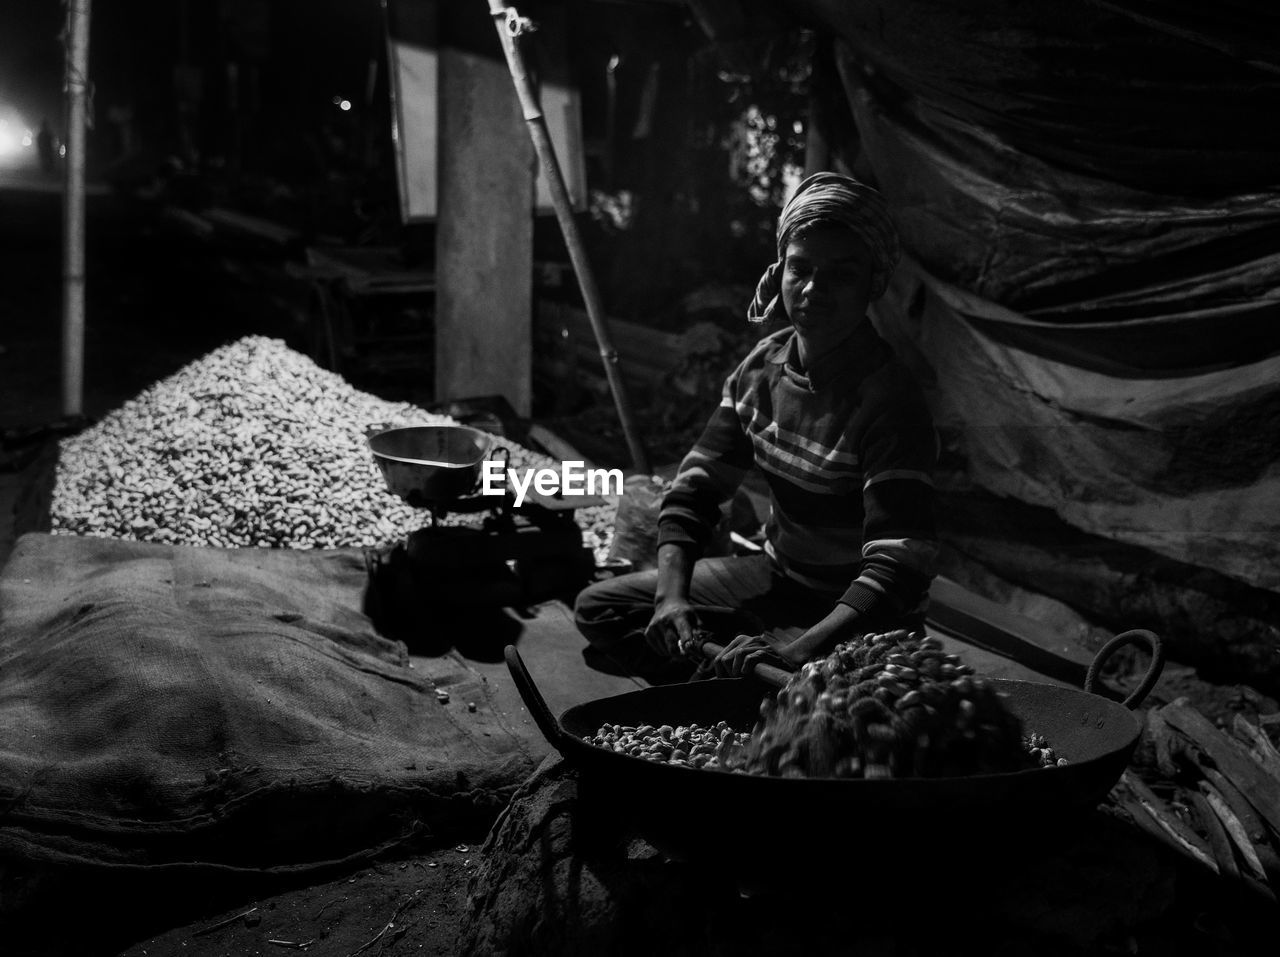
187,710
1070,266
1184,467
1089,199
1167,97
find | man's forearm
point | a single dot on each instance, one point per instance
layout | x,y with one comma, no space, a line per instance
819,639
675,571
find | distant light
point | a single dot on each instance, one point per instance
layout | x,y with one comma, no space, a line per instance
62,150
337,101
26,138
344,105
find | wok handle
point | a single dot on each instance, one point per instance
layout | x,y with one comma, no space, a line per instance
1132,637
533,700
766,673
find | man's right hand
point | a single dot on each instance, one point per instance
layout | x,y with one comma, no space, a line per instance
672,626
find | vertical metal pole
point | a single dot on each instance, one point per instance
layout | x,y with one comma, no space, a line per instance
73,232
568,226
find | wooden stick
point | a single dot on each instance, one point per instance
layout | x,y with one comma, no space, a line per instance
223,923
1259,744
1259,787
1166,744
769,674
389,925
509,27
1149,821
1181,835
1234,829
1219,842
1143,819
1254,828
1239,804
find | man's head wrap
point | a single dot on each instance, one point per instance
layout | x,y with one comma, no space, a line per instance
840,201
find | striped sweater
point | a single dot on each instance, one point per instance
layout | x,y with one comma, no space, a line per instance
847,448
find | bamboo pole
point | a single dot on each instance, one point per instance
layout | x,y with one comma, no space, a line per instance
73,218
509,26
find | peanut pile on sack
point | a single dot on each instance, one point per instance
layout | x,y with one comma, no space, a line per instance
252,445
890,705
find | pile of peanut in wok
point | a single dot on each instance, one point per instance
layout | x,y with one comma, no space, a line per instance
891,705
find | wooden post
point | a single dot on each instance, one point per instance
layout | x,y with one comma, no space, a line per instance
484,236
73,232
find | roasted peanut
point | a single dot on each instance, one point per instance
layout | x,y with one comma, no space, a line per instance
251,445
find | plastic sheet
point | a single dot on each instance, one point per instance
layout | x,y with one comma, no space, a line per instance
1070,266
1089,200
1183,104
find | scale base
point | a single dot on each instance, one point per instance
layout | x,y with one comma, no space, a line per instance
514,560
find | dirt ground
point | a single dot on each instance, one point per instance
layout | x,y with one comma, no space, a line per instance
405,907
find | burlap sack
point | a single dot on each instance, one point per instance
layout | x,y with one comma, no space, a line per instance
202,713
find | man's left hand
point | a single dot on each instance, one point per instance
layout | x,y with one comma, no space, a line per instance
742,654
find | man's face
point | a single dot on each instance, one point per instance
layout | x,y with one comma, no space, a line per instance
826,283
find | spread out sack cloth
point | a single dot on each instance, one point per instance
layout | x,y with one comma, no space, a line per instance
201,711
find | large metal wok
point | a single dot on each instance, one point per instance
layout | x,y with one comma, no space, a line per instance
702,813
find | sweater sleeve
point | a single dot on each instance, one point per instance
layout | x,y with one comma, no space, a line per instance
898,451
708,475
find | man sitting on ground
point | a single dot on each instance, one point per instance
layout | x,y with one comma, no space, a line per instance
844,439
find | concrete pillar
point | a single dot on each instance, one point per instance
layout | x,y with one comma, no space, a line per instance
484,238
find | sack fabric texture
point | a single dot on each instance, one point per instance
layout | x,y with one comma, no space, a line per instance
219,714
